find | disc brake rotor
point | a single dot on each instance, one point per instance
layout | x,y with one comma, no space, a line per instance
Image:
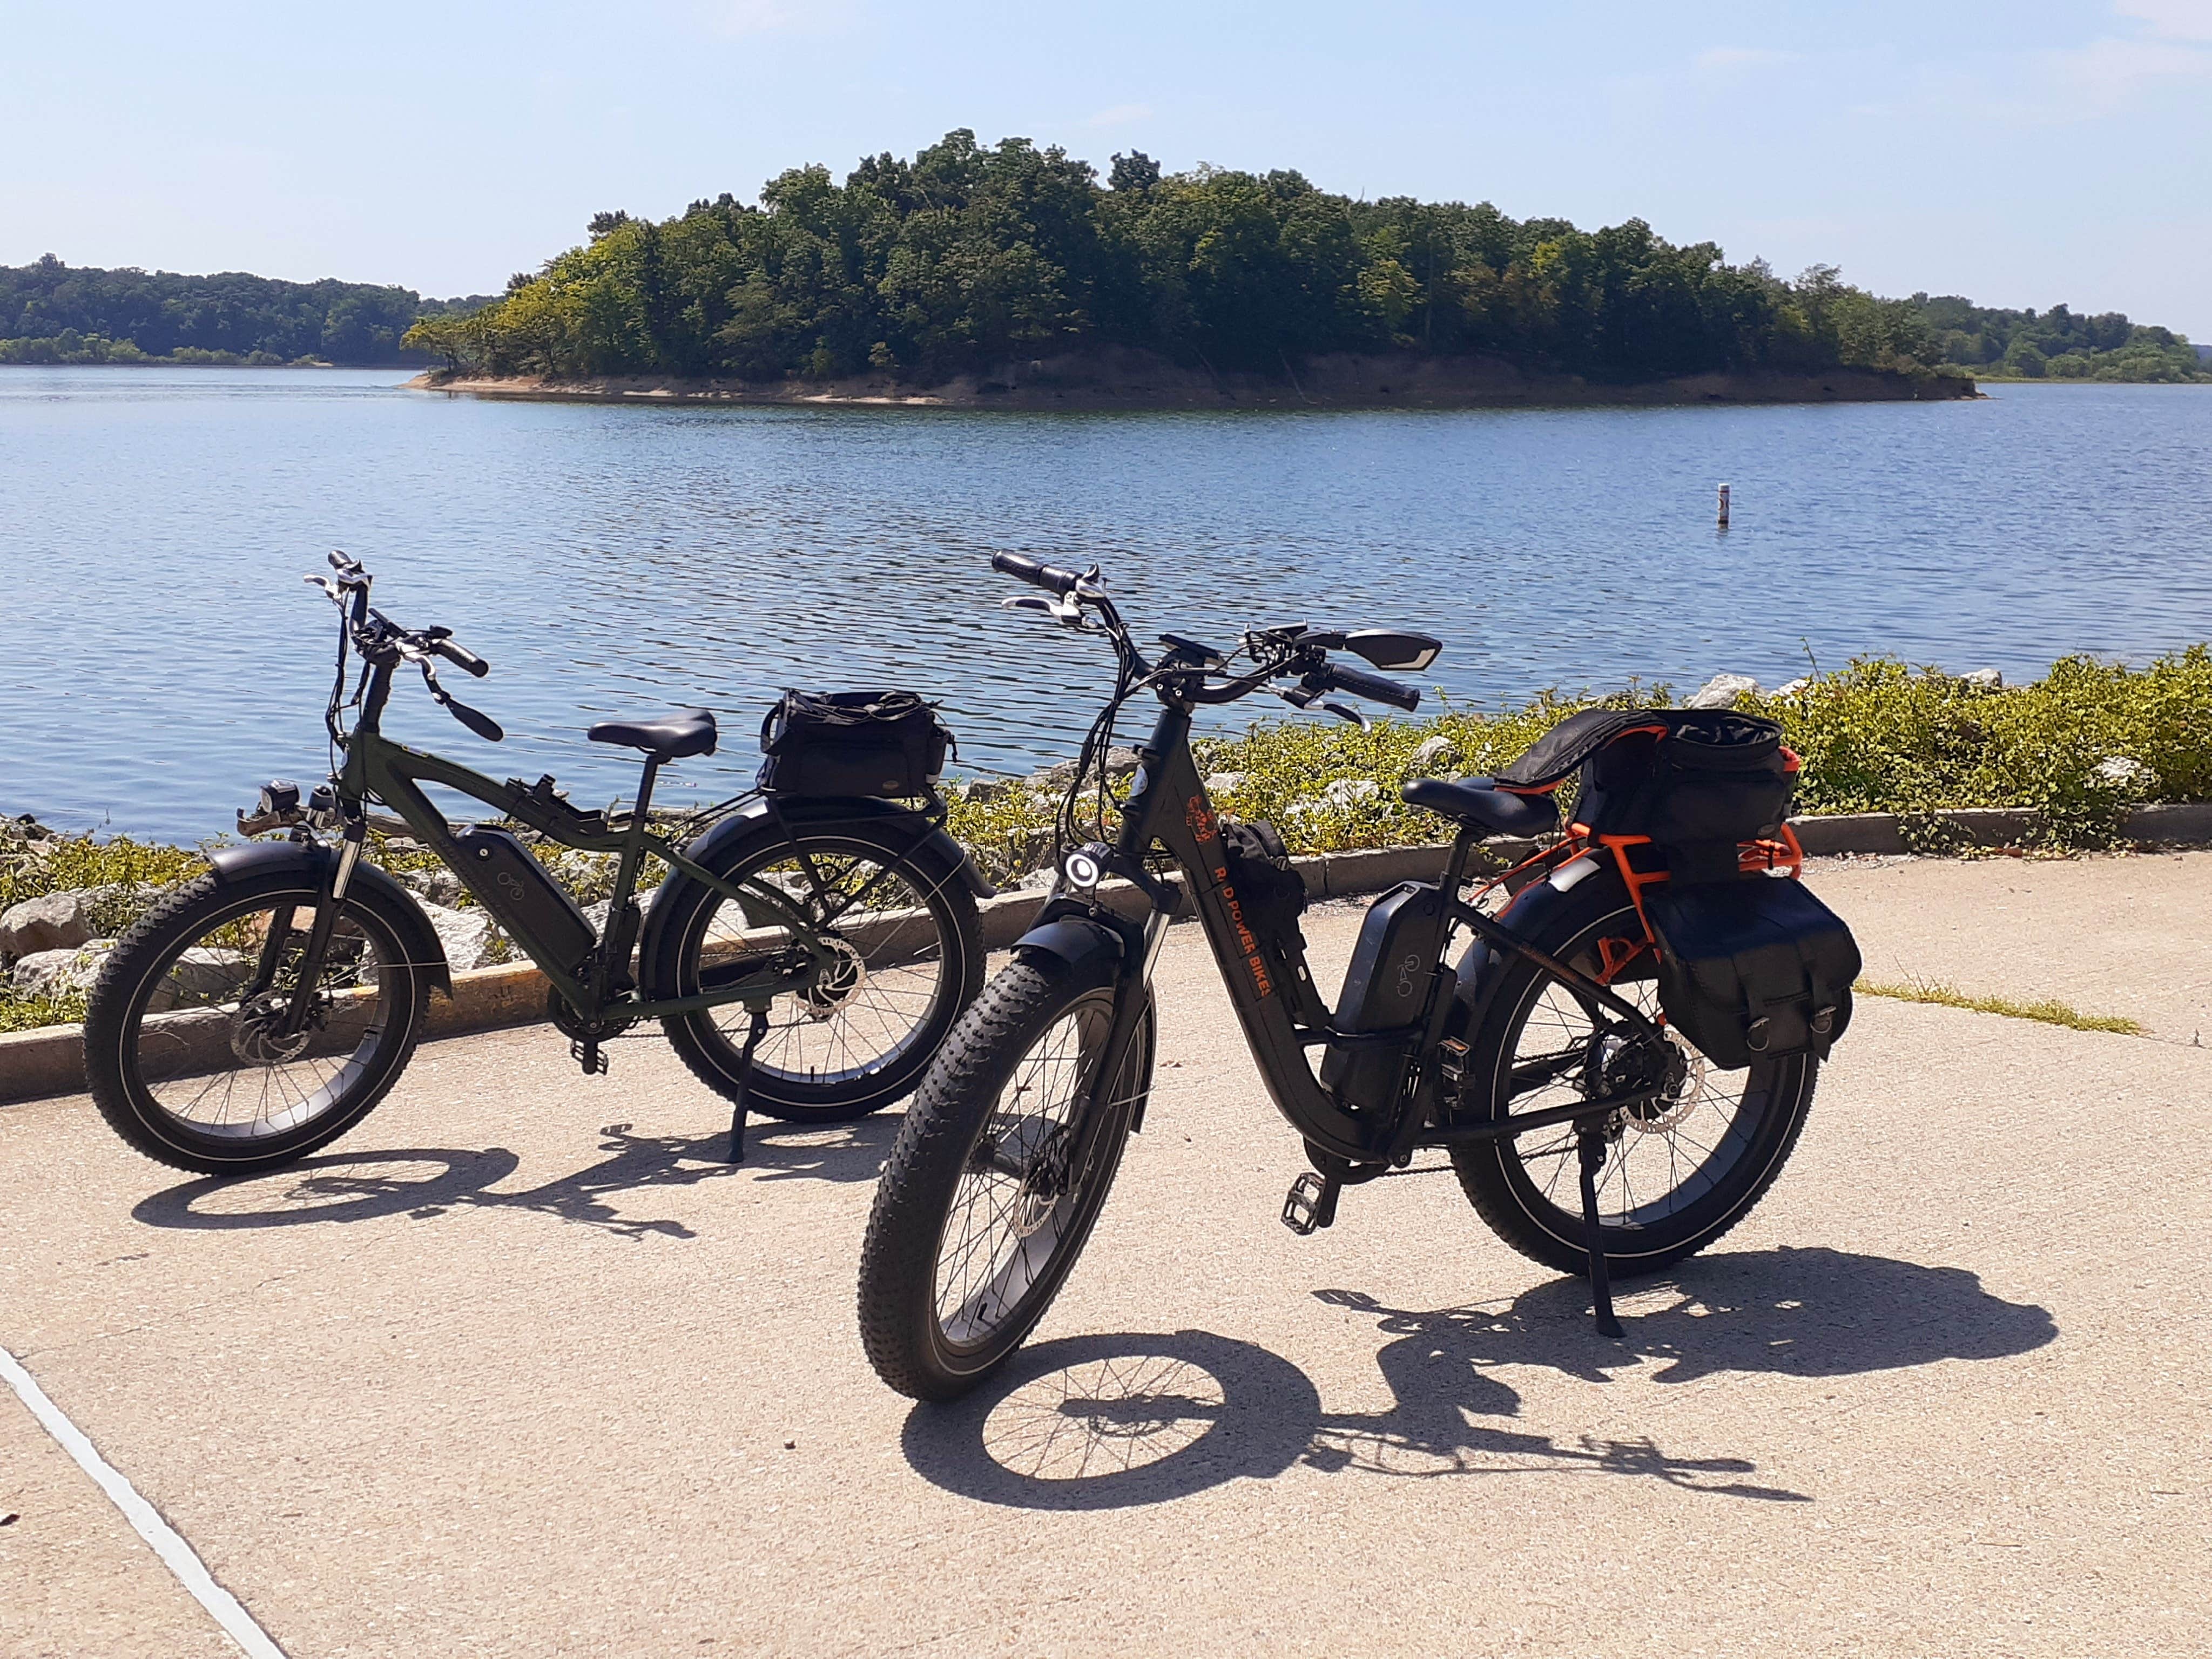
1685,1087
842,981
1042,1183
255,1031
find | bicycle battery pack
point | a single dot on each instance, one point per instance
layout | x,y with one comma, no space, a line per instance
532,905
1385,989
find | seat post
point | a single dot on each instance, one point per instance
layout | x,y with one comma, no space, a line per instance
632,854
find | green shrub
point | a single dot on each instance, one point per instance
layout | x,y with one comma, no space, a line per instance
1876,736
20,1013
29,869
1879,737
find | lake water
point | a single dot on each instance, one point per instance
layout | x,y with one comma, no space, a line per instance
160,657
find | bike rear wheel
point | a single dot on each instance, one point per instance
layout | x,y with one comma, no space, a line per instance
1678,1174
183,1048
996,1180
909,957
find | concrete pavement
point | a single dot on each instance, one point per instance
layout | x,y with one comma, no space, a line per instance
517,1368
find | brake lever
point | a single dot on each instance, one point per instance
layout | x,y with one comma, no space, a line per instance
1345,712
1065,611
475,718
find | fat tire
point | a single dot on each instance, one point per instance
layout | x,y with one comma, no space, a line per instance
144,953
1489,1171
702,1048
897,1299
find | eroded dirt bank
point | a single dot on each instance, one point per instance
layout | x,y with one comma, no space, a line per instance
1138,380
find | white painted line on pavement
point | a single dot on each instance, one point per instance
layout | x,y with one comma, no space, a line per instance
176,1554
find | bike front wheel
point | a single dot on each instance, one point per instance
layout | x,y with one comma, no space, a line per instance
995,1181
185,1048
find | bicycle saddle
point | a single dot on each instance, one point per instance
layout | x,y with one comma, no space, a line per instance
1473,801
669,736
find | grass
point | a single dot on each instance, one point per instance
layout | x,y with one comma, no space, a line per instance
2048,1011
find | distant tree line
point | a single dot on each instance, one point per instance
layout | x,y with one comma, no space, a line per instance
2055,344
50,312
968,255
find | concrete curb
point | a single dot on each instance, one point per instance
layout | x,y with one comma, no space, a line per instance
35,1065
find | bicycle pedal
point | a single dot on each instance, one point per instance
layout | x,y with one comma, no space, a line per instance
585,1053
1311,1203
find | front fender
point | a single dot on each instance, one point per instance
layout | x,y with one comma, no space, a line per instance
316,862
1084,946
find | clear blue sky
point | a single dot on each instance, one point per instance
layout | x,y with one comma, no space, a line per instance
2022,152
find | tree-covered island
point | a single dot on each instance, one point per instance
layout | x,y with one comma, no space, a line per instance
970,260
1008,267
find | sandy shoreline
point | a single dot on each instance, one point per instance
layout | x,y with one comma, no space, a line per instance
1136,381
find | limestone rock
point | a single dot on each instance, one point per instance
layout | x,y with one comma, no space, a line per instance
438,886
2120,772
52,921
1792,688
56,973
1722,690
202,976
1120,764
467,936
1987,679
1341,796
1223,783
1350,791
1439,751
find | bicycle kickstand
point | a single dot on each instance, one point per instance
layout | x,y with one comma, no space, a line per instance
753,1036
1590,1143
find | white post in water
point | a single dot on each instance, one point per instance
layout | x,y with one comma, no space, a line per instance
1724,499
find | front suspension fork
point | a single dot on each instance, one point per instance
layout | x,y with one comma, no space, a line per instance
302,1008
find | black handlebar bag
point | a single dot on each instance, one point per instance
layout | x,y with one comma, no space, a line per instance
888,743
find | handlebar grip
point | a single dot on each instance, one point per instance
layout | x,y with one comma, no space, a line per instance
461,657
1361,683
1035,572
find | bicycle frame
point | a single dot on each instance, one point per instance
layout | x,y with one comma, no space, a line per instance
393,772
1169,807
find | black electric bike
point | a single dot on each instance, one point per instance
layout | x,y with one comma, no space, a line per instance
1587,1132
806,955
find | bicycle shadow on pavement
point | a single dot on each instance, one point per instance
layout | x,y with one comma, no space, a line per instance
1106,1422
426,1183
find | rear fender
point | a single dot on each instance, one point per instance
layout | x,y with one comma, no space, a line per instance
314,862
1538,912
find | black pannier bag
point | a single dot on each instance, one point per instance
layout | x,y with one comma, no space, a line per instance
852,743
1752,969
1270,896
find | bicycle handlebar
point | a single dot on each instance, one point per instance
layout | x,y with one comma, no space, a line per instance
1038,574
1360,684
